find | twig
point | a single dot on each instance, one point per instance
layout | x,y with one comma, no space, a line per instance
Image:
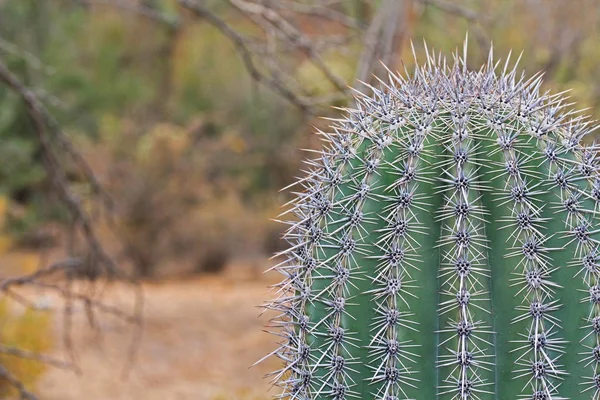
68,293
61,266
34,61
318,10
30,355
41,121
66,144
146,12
463,12
242,47
293,35
453,8
14,382
380,37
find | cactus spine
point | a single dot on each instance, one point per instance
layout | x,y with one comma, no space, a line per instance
444,245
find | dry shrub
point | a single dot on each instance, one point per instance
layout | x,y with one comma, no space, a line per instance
154,186
176,205
222,228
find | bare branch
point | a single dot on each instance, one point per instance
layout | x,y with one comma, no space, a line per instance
383,37
317,10
68,293
293,35
41,121
262,60
59,267
146,12
453,8
65,143
242,47
14,382
463,12
30,355
31,59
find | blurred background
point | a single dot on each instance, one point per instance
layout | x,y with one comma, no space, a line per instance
174,124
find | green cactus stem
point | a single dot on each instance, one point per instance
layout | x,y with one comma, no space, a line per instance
444,245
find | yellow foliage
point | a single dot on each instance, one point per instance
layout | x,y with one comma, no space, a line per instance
164,140
314,80
110,128
24,329
5,240
5,243
3,208
29,331
29,263
204,60
238,144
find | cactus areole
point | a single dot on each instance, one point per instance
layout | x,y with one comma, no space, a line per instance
444,244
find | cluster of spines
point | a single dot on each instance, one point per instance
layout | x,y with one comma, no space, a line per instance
588,263
334,257
348,223
573,167
518,116
323,248
307,238
539,347
397,251
543,135
464,275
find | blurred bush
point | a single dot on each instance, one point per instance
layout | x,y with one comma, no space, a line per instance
175,201
193,150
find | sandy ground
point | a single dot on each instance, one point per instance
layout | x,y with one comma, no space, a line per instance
200,338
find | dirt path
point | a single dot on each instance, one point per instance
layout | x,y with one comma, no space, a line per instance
200,338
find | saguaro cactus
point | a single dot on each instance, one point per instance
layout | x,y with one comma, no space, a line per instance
444,245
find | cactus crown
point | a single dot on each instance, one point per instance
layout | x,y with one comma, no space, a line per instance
444,244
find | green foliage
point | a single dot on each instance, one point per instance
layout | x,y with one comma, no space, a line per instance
20,167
